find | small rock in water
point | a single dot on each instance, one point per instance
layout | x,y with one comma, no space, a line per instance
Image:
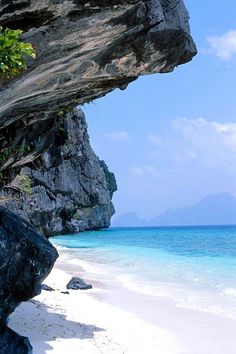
46,287
77,283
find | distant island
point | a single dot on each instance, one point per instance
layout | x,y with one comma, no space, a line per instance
219,209
128,220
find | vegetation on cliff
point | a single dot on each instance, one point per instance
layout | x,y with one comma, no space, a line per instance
13,53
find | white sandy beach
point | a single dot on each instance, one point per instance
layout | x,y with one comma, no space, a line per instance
82,322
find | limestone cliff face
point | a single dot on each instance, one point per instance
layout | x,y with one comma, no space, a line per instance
48,172
85,49
67,189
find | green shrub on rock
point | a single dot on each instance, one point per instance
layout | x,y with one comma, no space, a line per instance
24,183
13,53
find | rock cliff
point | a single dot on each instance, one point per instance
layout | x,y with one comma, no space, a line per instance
26,258
67,189
85,49
48,173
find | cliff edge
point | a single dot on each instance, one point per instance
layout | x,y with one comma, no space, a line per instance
84,49
67,189
48,172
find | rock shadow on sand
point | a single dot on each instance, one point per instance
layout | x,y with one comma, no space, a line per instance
43,325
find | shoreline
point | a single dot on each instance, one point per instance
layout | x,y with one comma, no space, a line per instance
105,319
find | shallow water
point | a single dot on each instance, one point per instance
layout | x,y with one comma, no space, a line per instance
193,266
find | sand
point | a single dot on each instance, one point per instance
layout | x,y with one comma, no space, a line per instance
83,322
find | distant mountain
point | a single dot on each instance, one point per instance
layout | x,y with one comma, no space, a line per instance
128,220
217,209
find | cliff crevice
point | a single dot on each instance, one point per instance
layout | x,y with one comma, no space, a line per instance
67,189
49,174
84,50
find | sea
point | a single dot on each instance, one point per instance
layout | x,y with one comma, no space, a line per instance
194,267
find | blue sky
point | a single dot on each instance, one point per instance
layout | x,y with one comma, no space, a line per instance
170,139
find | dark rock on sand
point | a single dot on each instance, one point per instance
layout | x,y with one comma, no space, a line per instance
13,343
85,49
46,287
26,258
78,284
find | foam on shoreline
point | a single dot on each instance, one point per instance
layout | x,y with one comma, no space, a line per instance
113,319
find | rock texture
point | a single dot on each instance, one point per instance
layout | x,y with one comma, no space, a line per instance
85,49
78,284
26,258
46,287
13,343
67,189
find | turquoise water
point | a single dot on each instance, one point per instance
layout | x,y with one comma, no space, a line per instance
194,266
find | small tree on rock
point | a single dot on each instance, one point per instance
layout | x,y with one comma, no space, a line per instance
13,53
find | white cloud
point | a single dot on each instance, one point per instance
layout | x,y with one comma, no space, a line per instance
179,165
192,145
224,46
154,139
205,136
118,136
145,171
